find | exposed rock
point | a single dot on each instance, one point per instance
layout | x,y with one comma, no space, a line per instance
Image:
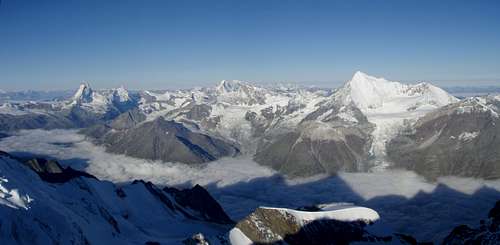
199,200
278,226
128,119
167,141
316,148
460,139
196,239
51,171
10,122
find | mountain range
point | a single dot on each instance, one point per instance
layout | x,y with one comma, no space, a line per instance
368,124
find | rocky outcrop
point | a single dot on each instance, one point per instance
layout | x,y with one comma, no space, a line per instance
51,171
285,226
199,200
269,226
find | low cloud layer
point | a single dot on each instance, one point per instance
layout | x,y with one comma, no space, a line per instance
404,199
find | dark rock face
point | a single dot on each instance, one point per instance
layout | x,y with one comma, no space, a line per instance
167,141
324,142
128,119
85,118
41,165
50,171
96,132
451,141
198,199
33,121
299,154
198,112
487,233
124,121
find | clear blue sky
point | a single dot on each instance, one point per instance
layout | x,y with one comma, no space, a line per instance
167,44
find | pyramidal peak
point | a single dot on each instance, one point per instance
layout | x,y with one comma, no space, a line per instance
367,91
361,78
84,93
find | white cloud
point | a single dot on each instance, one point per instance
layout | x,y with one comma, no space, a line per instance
241,185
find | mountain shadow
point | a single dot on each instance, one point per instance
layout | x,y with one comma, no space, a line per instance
427,216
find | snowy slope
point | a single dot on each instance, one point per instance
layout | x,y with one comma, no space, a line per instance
85,210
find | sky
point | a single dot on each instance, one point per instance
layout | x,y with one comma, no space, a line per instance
153,44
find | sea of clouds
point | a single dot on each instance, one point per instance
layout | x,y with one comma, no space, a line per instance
406,202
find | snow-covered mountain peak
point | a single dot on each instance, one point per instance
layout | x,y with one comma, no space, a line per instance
84,93
239,92
389,104
230,86
121,94
361,77
368,93
480,104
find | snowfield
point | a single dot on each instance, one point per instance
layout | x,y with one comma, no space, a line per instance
340,213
